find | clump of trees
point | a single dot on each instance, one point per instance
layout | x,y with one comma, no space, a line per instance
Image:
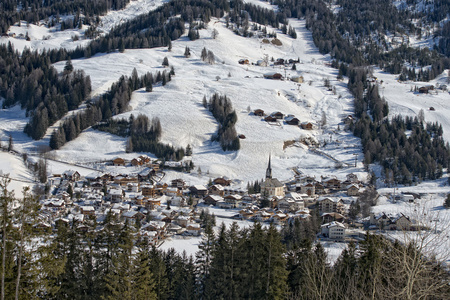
223,112
114,102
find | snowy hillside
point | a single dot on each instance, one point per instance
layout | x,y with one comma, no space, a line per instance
185,121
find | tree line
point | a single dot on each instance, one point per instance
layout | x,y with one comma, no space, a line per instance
114,102
223,112
112,259
30,80
33,11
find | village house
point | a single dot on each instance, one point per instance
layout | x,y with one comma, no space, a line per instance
332,216
390,221
212,199
216,189
148,190
198,191
71,175
115,195
118,162
309,189
233,200
332,183
222,181
327,204
87,210
353,190
178,183
352,177
319,188
333,230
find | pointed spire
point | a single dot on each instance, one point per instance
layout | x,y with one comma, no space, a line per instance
269,170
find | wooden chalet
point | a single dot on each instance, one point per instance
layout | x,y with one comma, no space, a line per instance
258,112
222,181
118,161
292,120
277,115
307,125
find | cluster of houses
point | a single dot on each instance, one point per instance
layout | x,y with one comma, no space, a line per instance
276,117
168,208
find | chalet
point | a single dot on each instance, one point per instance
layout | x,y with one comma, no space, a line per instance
133,215
148,190
277,76
333,230
332,216
222,181
216,189
174,229
193,229
198,190
278,218
306,125
330,205
152,203
146,174
319,188
298,79
270,119
118,161
71,175
154,166
136,162
125,179
244,61
178,183
277,115
87,210
353,190
292,120
426,89
390,221
233,200
279,62
332,183
133,187
151,237
115,195
258,112
309,189
262,63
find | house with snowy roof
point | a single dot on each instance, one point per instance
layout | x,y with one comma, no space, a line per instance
333,230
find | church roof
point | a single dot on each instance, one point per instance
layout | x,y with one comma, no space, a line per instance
271,182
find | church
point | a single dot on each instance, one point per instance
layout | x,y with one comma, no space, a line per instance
271,186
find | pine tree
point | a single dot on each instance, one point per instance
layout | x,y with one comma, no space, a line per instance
165,62
447,201
187,52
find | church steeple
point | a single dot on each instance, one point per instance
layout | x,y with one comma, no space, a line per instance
269,170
